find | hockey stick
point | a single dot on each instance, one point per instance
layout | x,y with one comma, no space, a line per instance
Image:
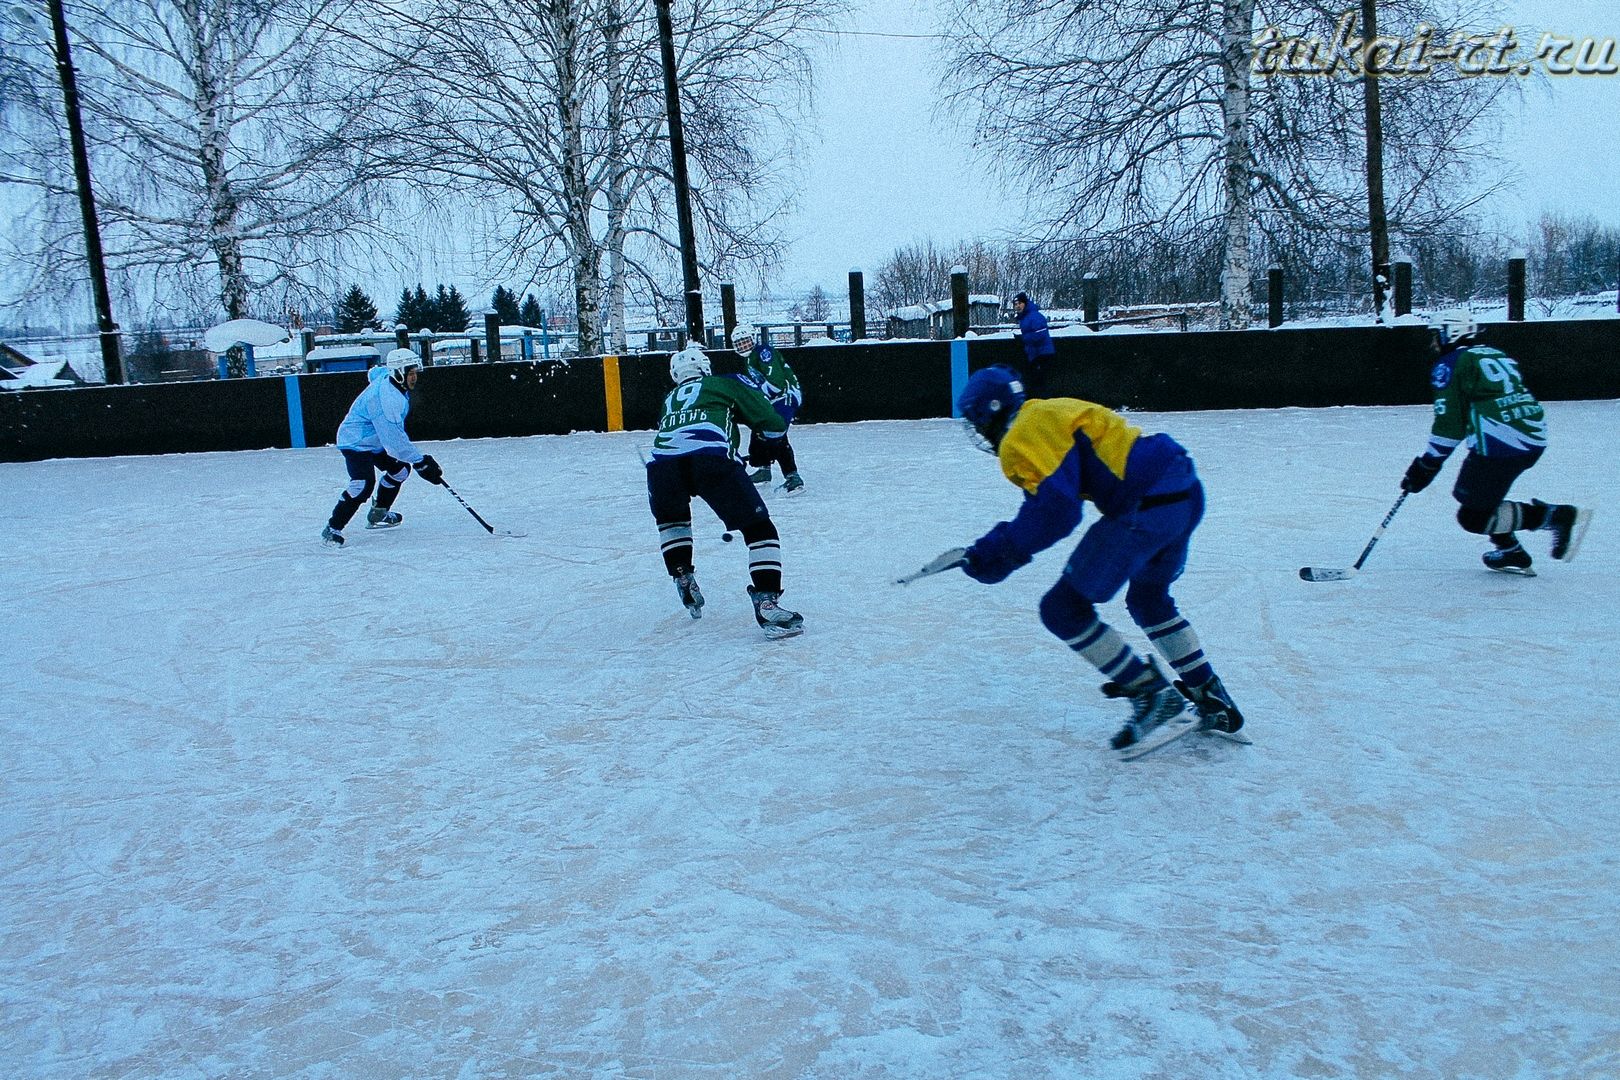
948,560
476,516
1323,573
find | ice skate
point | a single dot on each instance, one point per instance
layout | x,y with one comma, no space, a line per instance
775,620
761,475
691,596
380,517
1151,709
332,536
1215,707
1568,526
1509,560
792,482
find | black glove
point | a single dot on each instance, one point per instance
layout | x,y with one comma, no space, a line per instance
762,451
1421,473
429,470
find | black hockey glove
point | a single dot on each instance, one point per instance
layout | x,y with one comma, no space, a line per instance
429,470
762,451
1421,473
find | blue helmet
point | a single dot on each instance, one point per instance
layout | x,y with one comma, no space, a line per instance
989,402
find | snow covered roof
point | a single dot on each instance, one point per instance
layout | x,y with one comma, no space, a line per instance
40,375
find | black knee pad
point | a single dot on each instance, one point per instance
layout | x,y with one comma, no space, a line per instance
1474,519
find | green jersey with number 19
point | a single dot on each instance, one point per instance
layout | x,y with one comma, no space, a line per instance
700,417
1480,399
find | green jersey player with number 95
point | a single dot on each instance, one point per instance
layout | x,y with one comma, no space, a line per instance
1480,399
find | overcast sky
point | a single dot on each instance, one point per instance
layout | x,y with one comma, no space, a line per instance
884,171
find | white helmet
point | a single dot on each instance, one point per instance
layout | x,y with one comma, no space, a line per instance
688,364
400,361
1454,324
741,333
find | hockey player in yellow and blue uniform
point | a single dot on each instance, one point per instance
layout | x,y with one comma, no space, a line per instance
1063,452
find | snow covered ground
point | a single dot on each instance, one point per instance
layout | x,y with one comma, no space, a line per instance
447,805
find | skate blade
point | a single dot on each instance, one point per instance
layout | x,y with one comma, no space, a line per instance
1160,737
778,633
1516,571
384,525
1583,519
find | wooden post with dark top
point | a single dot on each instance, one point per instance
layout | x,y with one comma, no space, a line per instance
1516,289
959,301
1403,287
857,305
492,336
728,311
1088,300
1274,297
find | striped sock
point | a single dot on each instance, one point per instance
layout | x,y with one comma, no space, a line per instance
675,542
765,564
1178,643
1110,654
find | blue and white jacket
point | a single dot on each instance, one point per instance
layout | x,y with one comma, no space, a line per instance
376,421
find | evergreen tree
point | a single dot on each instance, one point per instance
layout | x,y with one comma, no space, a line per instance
405,309
531,315
505,304
449,311
354,312
415,310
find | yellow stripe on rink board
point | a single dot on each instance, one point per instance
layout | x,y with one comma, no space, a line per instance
615,398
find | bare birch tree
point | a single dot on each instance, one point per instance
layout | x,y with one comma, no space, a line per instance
227,134
1145,116
550,113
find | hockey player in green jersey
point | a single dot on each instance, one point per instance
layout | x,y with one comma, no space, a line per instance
1480,399
769,373
695,454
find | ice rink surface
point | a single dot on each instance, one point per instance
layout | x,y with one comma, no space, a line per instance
448,805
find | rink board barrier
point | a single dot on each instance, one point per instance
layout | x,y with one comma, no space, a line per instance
878,380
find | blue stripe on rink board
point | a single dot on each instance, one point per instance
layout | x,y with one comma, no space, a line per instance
959,371
295,412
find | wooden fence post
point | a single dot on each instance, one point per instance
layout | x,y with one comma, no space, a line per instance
426,340
492,336
728,311
1089,290
402,337
1515,292
857,305
959,301
1274,296
1403,286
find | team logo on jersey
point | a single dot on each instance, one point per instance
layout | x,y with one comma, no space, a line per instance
1441,375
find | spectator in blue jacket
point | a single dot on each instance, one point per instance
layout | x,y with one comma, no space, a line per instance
1037,343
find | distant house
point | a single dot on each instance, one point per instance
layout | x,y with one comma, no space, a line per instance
935,320
21,372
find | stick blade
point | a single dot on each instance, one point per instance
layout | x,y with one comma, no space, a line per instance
948,560
1325,573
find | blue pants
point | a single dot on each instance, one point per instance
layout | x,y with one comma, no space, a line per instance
1146,550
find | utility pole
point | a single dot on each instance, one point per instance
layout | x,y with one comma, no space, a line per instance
683,200
110,360
1377,218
